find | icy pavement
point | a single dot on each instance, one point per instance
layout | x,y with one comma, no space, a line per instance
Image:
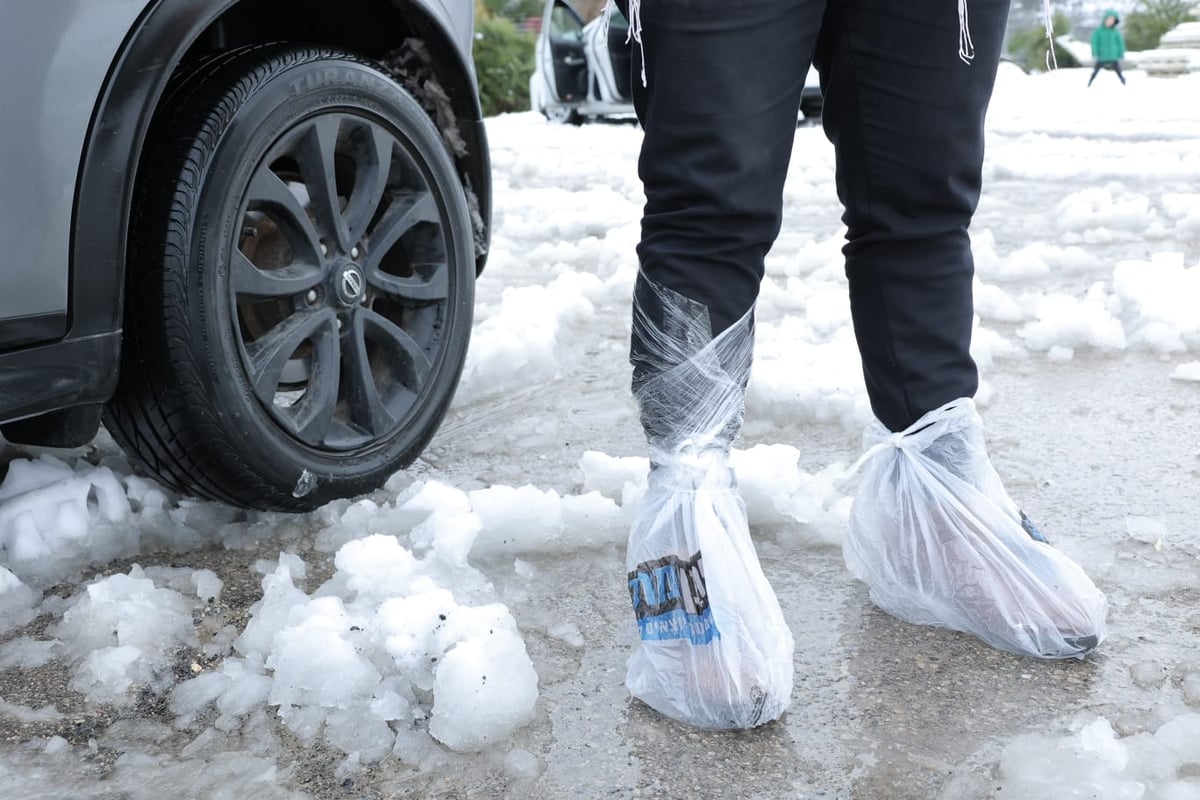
463,632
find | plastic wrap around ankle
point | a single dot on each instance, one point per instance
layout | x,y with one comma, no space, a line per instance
689,385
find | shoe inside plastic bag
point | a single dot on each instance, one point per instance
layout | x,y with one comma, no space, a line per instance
936,538
715,651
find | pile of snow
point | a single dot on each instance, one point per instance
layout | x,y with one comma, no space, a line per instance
391,638
1184,209
1063,323
1150,305
17,601
59,516
806,363
1032,261
1187,372
516,345
355,665
521,520
1106,214
803,373
54,517
1092,761
389,642
1158,302
811,507
121,633
398,645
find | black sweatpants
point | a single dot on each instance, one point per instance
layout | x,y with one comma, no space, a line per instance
1115,66
905,113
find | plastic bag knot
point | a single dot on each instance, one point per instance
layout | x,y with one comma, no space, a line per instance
899,441
694,463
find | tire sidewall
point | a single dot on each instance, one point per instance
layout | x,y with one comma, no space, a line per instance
269,110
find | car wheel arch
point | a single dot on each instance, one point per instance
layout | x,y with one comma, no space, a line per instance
166,34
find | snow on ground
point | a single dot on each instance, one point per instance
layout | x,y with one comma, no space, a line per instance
385,630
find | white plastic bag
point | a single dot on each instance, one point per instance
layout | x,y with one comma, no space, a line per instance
715,651
936,537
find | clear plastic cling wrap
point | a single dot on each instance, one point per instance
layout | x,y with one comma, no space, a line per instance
938,541
715,651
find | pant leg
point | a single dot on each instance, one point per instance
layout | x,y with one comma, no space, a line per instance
719,113
1095,72
906,114
1117,69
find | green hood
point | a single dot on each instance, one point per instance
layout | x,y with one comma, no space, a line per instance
1107,43
1112,12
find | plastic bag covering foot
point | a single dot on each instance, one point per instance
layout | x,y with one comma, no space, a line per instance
715,651
936,537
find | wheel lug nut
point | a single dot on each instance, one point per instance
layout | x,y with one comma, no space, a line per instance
354,252
324,249
311,297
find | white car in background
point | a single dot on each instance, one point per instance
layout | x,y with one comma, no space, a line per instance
584,71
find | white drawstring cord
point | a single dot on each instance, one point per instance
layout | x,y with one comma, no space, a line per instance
966,47
635,28
1051,58
635,32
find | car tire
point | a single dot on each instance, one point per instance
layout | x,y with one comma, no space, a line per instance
300,283
562,115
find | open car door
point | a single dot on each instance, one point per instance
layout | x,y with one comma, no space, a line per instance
561,51
612,57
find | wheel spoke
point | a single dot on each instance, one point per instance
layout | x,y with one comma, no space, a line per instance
268,354
373,167
402,349
268,192
321,396
366,407
318,167
430,283
406,212
250,282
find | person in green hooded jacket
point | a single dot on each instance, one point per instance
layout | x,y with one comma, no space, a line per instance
1108,46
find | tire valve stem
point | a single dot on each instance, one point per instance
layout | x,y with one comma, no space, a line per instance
250,232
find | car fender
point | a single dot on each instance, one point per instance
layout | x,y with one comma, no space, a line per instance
52,68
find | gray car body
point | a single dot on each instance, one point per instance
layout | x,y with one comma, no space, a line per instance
61,65
52,69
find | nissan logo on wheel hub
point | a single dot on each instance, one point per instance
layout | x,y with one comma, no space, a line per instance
350,285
